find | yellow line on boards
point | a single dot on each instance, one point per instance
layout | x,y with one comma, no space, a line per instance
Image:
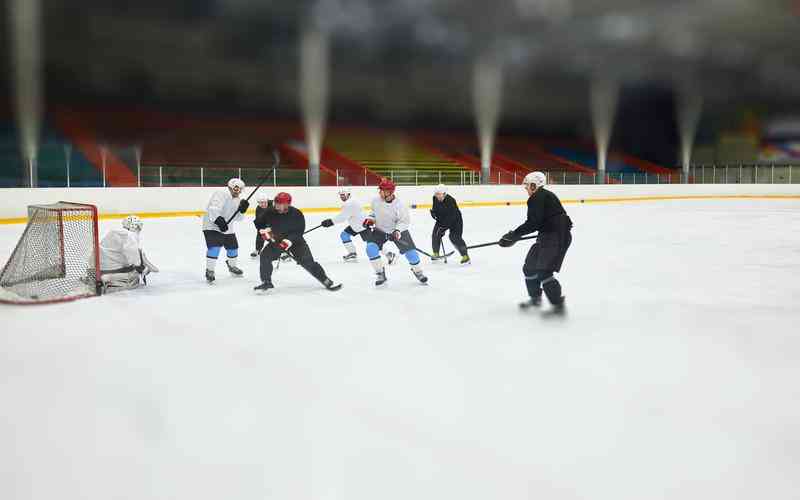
199,213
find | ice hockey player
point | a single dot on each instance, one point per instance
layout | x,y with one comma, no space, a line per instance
264,203
282,229
222,206
546,215
447,215
123,265
390,222
352,214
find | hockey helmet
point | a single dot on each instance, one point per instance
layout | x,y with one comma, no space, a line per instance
236,183
132,223
386,185
283,198
537,179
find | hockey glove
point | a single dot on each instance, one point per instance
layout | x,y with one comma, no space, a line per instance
326,223
266,234
285,245
396,235
440,231
221,224
508,239
433,214
244,205
368,222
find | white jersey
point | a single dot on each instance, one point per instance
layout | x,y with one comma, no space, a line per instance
222,204
119,249
390,217
351,212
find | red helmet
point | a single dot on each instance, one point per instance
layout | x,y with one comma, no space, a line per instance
283,198
386,185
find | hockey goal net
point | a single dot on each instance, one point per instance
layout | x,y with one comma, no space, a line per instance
56,256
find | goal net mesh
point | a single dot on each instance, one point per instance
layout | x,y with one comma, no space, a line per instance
56,256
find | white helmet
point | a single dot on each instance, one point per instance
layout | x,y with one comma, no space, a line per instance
236,182
344,190
441,188
132,223
262,197
538,179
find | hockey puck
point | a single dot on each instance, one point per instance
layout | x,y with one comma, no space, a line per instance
35,297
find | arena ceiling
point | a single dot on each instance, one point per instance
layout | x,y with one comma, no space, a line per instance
411,61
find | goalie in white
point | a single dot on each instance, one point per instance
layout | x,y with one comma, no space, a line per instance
123,265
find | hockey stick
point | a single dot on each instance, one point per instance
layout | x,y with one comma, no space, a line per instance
444,252
313,228
276,161
423,252
497,242
410,247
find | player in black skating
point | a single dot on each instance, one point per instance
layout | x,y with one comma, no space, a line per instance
282,229
264,203
447,215
546,215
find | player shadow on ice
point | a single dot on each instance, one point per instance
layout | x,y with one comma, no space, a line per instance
546,313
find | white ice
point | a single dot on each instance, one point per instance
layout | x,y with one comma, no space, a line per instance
674,375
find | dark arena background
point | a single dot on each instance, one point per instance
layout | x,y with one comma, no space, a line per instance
531,249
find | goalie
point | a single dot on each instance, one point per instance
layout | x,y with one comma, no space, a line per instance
123,265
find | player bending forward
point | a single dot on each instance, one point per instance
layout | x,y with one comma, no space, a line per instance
264,203
123,265
447,215
546,215
351,213
390,221
221,207
282,229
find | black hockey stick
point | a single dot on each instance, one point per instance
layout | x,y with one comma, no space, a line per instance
497,242
444,252
276,161
405,244
423,252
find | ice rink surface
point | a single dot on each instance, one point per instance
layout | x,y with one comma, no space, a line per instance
673,376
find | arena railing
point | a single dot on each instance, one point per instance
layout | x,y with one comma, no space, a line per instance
171,175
